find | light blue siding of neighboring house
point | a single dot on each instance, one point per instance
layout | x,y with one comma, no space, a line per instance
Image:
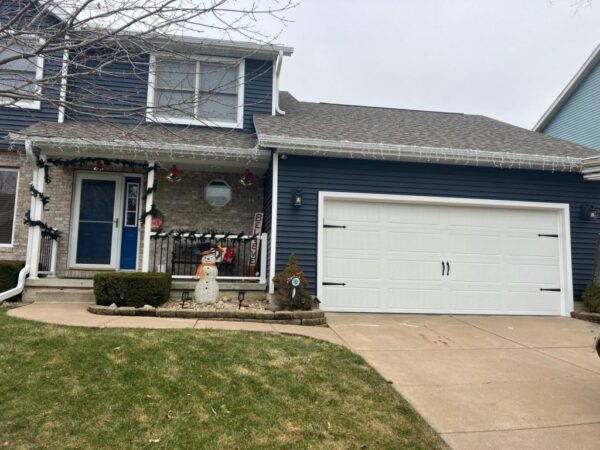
578,120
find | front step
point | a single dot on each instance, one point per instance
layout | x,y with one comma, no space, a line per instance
65,290
58,295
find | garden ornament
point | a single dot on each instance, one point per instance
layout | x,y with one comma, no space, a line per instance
207,288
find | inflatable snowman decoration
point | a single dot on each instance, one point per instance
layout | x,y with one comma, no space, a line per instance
207,288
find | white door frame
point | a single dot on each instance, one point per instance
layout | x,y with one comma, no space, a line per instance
562,208
117,215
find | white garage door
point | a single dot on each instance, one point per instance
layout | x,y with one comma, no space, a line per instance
440,258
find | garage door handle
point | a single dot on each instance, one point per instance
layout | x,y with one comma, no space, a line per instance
329,283
443,268
550,289
447,268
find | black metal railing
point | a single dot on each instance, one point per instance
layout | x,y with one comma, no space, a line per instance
180,254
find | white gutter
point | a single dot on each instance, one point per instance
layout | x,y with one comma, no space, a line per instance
278,64
413,153
63,85
25,270
150,148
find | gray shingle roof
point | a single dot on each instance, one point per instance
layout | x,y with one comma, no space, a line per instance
372,125
139,134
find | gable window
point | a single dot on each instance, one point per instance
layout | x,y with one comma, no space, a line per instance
196,92
8,195
19,76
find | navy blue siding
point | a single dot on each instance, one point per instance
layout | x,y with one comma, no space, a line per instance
258,90
14,118
118,93
297,227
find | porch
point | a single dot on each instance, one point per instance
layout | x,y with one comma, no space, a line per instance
132,212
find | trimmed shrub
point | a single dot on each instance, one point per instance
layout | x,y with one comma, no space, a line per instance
9,274
132,289
302,300
591,297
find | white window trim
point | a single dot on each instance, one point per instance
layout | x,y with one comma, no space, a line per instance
14,225
137,200
151,115
220,180
30,104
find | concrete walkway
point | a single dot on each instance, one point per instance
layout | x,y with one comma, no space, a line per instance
482,382
76,314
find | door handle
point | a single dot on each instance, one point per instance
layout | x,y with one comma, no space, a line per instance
447,268
443,268
117,222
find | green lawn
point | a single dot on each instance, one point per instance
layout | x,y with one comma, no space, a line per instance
63,387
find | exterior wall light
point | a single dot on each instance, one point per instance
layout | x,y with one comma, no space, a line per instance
217,193
590,213
297,198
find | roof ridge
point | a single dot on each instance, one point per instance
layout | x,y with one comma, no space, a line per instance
388,108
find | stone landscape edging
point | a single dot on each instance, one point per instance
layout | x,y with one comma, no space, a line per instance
584,315
313,317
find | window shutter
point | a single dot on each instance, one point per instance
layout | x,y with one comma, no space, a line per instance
7,211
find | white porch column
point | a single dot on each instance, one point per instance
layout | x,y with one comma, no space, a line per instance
148,220
36,214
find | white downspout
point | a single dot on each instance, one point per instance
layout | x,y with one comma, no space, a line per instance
25,270
277,73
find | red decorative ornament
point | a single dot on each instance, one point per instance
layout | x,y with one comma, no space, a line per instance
248,178
98,166
174,174
156,223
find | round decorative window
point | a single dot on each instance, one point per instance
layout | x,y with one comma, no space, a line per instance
217,193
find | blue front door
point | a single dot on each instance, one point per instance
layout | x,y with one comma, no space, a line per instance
129,235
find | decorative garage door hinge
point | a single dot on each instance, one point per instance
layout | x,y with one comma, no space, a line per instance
550,289
548,235
329,283
333,226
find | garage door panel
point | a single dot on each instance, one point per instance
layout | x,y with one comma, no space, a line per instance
413,299
487,297
390,258
414,240
340,298
336,238
411,270
353,267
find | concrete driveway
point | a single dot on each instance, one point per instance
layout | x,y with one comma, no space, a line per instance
488,382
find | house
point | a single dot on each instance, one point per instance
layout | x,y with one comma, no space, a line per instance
388,210
575,114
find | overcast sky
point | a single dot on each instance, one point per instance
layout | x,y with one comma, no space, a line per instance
507,59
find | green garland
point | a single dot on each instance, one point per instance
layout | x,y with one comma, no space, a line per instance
190,235
152,189
153,212
78,162
47,230
35,193
41,164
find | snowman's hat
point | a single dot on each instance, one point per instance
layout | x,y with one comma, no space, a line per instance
205,249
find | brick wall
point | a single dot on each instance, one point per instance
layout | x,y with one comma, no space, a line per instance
182,203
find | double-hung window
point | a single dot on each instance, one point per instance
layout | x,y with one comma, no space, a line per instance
8,196
196,91
19,75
